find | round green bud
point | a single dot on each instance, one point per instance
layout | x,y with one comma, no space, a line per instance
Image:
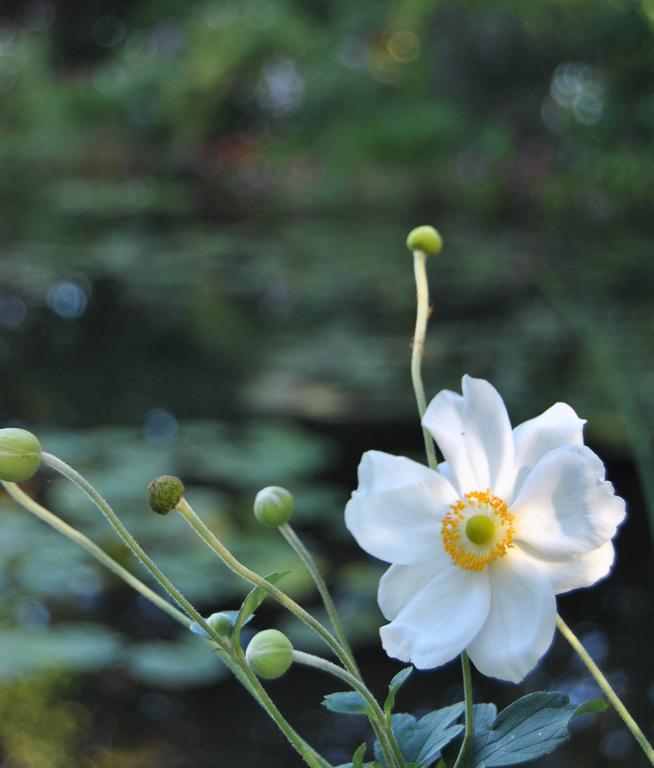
426,239
221,623
273,506
164,492
269,654
20,455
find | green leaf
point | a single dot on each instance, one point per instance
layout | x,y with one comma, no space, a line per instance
394,686
421,741
532,726
357,760
252,601
594,705
346,703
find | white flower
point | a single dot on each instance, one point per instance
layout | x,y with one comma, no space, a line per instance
480,547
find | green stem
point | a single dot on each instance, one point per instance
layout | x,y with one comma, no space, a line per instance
422,316
186,511
310,564
604,684
466,745
240,670
28,503
306,752
387,741
70,474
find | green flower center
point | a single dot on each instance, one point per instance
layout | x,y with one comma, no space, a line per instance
480,529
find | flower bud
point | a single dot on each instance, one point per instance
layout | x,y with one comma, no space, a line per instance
20,455
426,239
269,654
220,623
164,492
273,506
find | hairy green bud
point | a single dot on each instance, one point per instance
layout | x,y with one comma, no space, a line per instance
164,492
426,239
221,623
273,506
269,654
20,455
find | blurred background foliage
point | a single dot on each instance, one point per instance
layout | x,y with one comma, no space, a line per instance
202,271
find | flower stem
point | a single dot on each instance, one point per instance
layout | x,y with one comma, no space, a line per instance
422,316
604,684
187,512
306,752
310,564
48,517
387,740
466,744
70,474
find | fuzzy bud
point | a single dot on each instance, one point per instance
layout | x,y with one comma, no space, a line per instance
20,455
273,506
426,239
269,654
164,492
220,623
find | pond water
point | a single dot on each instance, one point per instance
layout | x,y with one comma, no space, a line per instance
275,350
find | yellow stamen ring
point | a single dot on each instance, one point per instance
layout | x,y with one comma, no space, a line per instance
477,530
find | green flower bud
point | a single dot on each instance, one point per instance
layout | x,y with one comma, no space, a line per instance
426,239
273,506
269,654
20,455
164,492
221,623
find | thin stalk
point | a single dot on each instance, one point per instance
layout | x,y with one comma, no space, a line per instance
186,511
48,517
604,684
422,316
81,482
238,668
387,741
466,745
310,564
306,752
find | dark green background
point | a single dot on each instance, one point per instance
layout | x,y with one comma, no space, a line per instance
203,208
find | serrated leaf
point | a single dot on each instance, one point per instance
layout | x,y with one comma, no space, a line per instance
421,741
531,727
346,703
394,686
252,601
594,705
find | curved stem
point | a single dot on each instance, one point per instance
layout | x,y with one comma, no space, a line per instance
48,517
378,720
604,684
306,752
186,511
70,474
310,564
422,316
466,745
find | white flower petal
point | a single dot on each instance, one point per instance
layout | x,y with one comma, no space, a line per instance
473,432
556,427
580,570
521,621
401,583
440,620
396,511
565,507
